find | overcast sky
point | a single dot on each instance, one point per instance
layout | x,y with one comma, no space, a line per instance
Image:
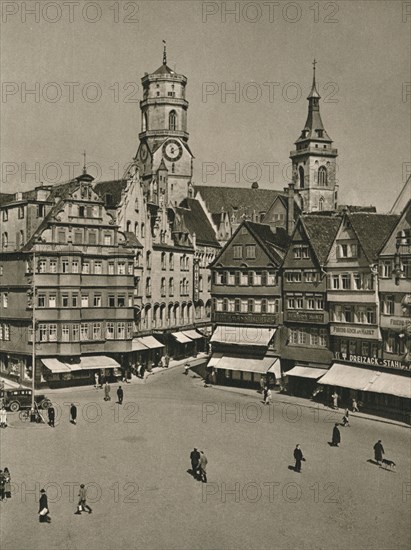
264,50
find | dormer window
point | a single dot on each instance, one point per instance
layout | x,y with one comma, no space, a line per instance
320,133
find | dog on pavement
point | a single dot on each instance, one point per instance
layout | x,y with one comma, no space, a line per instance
388,464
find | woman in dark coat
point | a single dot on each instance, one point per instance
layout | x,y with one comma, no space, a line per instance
44,508
336,436
378,451
73,413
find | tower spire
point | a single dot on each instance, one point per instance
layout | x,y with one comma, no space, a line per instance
165,53
84,165
314,92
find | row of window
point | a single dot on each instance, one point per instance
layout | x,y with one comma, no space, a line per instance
86,267
387,268
247,251
85,236
4,332
298,276
353,314
81,332
85,300
308,337
184,261
308,301
251,305
351,281
245,278
354,347
20,213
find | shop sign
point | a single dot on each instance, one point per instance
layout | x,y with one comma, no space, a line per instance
354,331
305,316
196,278
247,318
377,362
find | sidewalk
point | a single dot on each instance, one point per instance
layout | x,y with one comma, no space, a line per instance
200,358
292,400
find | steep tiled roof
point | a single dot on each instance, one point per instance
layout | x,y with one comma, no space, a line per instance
321,231
240,200
372,230
132,240
113,188
6,198
195,220
164,69
274,242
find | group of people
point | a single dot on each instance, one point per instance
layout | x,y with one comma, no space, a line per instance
120,393
199,465
334,403
5,485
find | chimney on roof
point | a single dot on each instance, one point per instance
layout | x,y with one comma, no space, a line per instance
290,207
254,185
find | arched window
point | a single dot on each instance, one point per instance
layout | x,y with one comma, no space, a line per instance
5,240
136,229
145,122
143,230
321,203
128,226
148,260
301,173
172,120
171,286
322,176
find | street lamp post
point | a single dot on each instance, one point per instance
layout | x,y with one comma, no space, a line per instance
33,338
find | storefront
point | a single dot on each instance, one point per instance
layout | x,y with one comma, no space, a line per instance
382,392
302,380
57,372
146,350
240,370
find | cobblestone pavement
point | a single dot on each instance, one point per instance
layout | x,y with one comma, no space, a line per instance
135,460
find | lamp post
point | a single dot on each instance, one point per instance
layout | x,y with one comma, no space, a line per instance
33,338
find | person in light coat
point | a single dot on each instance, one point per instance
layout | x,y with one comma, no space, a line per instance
3,418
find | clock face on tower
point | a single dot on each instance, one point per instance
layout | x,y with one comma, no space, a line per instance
143,152
172,150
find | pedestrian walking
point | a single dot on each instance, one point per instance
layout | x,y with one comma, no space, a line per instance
335,398
7,483
166,360
262,384
2,483
203,467
378,452
355,406
345,421
96,380
51,413
3,417
186,368
195,461
73,414
120,395
298,456
107,391
336,439
82,505
269,397
142,371
44,508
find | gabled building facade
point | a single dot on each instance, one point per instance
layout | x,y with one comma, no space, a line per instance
72,278
247,305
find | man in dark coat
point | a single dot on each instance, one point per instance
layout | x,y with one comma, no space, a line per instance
336,440
120,395
378,451
44,508
298,455
195,459
51,414
82,505
73,414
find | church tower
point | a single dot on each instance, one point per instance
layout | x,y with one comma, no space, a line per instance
164,137
314,160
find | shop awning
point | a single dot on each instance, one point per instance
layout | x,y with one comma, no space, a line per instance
192,334
246,364
55,365
93,362
137,345
243,336
306,372
150,342
275,368
181,337
357,378
214,360
303,354
206,331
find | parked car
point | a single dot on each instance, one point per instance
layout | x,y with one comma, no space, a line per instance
17,399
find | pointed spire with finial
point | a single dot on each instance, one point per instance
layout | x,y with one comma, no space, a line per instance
314,92
165,53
